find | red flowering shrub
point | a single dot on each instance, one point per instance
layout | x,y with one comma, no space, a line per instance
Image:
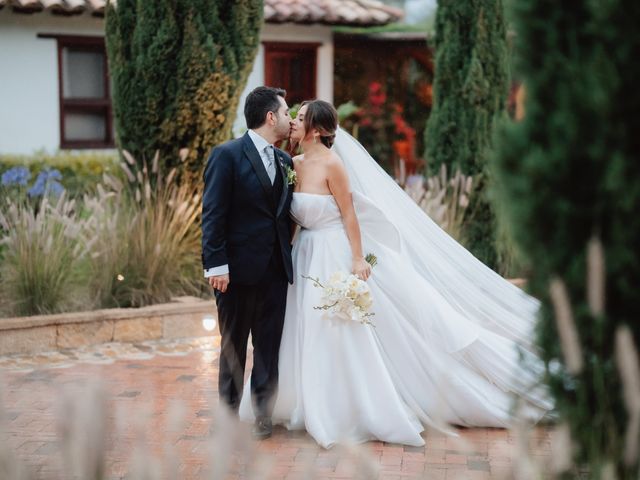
382,129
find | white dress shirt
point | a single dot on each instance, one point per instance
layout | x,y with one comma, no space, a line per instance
260,143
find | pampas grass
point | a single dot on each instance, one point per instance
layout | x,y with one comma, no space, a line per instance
444,199
148,247
44,246
125,245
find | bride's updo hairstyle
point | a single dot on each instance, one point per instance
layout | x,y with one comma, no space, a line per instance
323,117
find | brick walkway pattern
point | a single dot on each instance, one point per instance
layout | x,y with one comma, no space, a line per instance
162,422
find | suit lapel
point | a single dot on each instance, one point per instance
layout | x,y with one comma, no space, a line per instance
258,167
285,184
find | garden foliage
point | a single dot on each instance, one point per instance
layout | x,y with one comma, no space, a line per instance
568,184
79,171
470,90
125,243
178,68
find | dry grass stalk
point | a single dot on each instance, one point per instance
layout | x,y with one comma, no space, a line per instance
82,417
629,367
561,449
595,276
10,467
608,472
143,243
525,466
444,199
45,246
569,338
149,239
230,449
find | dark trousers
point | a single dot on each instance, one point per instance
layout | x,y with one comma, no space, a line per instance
259,310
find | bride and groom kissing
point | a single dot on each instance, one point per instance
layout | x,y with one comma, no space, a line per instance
449,335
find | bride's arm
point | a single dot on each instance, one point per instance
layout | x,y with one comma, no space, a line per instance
294,226
338,183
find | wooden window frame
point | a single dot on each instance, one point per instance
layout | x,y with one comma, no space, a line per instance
275,49
83,105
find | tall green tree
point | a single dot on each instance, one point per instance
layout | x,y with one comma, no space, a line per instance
178,68
470,90
568,179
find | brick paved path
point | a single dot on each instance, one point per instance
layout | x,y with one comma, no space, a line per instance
162,421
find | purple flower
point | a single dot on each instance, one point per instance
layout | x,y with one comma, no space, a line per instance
55,188
37,189
16,176
46,183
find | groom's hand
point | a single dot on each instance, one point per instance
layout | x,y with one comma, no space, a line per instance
219,282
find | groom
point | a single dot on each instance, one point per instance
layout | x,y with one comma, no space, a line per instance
246,250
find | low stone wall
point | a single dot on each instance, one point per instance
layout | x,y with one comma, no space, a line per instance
181,318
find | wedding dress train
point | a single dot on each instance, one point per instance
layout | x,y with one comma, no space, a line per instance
433,356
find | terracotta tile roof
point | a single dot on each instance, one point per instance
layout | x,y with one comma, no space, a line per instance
332,12
328,12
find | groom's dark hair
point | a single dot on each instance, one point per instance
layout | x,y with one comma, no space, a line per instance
261,101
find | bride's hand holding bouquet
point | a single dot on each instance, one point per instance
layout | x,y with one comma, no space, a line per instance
361,268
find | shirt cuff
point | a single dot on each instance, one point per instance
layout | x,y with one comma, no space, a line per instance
215,271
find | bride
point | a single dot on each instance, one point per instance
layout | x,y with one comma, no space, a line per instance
451,341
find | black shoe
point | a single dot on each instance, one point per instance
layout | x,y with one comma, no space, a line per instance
262,429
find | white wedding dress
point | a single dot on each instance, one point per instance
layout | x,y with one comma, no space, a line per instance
434,357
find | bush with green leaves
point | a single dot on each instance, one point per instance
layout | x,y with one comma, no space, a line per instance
568,183
470,91
79,172
178,68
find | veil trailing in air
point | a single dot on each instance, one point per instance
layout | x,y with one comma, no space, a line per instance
445,347
477,292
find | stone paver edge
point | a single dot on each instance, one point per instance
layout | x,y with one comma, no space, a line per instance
161,310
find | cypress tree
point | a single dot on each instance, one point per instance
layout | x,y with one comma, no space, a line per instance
567,178
178,67
470,89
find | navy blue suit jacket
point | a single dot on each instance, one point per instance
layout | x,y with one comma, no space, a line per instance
242,222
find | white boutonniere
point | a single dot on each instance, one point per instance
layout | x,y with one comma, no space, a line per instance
292,177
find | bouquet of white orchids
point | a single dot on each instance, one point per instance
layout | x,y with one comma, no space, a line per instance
345,296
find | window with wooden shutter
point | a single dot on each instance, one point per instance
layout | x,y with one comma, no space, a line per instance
84,92
292,66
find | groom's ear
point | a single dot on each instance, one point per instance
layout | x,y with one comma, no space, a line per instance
270,119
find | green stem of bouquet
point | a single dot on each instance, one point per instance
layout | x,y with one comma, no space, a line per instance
316,281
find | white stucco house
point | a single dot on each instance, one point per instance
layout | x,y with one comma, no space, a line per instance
54,83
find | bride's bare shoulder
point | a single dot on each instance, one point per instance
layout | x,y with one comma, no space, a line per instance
334,161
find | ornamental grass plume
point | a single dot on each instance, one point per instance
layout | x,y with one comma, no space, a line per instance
149,243
444,199
109,221
82,424
569,338
44,247
629,368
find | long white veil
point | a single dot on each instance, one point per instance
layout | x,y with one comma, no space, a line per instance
476,291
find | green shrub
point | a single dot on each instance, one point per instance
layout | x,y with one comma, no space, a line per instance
567,178
147,246
470,90
80,171
125,244
178,70
42,265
